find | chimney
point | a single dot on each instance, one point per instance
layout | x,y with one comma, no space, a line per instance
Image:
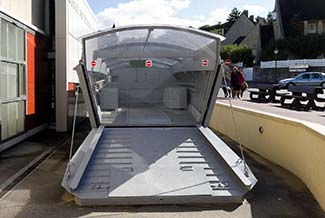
251,18
245,12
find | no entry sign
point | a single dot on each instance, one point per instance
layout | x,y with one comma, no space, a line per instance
205,63
228,62
148,63
93,63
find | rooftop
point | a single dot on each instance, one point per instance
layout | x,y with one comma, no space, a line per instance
300,10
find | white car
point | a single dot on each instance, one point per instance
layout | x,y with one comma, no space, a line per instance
308,78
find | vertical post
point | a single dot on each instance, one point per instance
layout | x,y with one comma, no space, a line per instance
276,62
61,65
276,52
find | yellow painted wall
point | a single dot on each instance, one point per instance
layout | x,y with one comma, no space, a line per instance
289,144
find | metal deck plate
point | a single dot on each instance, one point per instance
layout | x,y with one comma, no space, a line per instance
156,164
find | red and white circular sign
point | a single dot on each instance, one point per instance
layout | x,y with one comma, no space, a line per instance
228,62
148,63
205,63
93,63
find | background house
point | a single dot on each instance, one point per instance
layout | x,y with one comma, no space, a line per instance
239,30
258,38
298,17
246,32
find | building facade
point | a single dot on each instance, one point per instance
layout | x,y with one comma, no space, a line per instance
239,30
39,47
305,18
245,32
74,18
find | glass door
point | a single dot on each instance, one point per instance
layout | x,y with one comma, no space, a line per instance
12,80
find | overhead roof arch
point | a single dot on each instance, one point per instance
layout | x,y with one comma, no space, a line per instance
154,26
171,43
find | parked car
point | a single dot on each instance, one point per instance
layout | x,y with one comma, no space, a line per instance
308,78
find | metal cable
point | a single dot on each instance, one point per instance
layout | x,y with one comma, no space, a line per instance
235,123
74,122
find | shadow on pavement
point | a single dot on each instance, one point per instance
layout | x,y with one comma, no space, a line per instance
278,193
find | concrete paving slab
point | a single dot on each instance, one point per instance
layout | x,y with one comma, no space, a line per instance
17,157
23,149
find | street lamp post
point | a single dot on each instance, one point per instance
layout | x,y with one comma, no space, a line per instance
276,52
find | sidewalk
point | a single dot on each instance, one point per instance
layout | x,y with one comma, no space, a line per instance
317,117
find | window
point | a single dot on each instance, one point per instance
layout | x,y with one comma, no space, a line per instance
315,76
312,28
304,76
12,42
4,36
22,80
12,80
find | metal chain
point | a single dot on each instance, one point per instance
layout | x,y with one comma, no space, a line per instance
235,124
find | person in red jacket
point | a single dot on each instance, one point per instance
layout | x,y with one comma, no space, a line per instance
237,79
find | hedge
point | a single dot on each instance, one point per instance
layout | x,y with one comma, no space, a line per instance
301,47
237,53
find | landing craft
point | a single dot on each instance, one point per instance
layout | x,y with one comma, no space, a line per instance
150,98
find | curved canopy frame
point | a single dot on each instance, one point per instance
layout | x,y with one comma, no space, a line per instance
148,41
139,27
183,59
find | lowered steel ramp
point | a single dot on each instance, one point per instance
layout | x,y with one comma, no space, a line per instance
132,166
149,142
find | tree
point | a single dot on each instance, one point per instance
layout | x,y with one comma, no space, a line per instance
233,16
237,53
300,47
269,18
259,19
218,29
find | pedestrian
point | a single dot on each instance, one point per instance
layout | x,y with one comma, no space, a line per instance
244,87
237,81
226,83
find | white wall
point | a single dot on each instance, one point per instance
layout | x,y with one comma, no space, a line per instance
33,13
293,63
74,18
81,21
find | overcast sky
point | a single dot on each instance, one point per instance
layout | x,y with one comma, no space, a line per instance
181,12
